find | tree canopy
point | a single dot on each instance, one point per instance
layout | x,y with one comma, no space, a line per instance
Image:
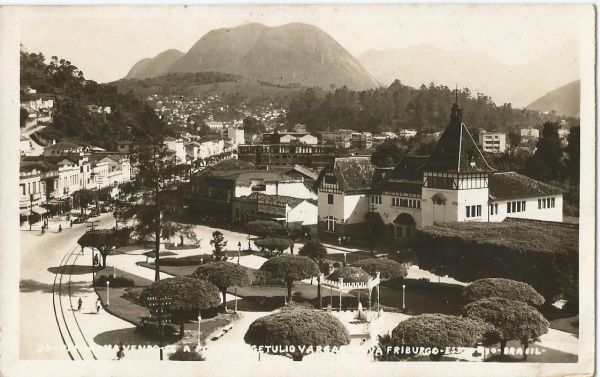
104,240
290,268
275,246
151,197
264,228
388,268
388,154
186,294
218,243
503,288
298,327
439,330
350,275
315,250
224,275
512,320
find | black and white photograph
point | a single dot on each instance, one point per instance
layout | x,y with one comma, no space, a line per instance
361,188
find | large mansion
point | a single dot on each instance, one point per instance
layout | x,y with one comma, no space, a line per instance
453,183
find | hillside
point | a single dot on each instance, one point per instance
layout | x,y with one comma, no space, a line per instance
563,101
190,84
154,67
504,83
290,54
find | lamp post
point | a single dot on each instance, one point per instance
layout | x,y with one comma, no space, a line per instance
30,209
239,250
249,248
199,331
403,296
107,293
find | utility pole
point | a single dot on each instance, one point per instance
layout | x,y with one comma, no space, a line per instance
92,225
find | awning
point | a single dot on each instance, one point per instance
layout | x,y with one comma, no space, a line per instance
39,210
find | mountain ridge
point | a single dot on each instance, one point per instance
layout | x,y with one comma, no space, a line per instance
482,73
292,53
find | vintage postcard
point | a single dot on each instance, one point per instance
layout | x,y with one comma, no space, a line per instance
363,189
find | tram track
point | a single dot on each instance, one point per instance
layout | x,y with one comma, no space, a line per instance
70,331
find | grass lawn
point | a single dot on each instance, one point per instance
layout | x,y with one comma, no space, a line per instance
422,297
128,310
171,270
569,324
350,257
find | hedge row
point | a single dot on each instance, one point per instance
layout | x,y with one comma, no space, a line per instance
512,250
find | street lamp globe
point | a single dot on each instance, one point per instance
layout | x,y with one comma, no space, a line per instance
107,293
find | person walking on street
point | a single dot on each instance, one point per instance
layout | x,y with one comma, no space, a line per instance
121,351
59,228
79,304
98,306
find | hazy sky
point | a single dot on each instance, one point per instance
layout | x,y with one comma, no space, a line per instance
105,42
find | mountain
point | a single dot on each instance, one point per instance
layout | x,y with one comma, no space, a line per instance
293,53
156,66
481,73
564,100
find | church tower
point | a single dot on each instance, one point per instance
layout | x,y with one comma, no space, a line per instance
455,177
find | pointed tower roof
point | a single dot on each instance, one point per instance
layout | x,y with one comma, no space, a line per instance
456,151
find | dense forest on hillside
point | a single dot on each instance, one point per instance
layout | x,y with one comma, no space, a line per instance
398,106
72,119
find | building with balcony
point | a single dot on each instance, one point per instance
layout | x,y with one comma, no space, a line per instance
492,141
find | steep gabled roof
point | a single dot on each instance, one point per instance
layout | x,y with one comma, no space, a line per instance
511,185
353,173
407,175
456,151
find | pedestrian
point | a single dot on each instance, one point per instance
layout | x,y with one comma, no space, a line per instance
98,306
59,228
79,304
339,241
71,223
121,351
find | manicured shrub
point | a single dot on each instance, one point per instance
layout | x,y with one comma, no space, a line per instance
115,282
191,260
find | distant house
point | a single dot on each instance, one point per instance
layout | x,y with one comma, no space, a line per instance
341,138
292,213
215,126
63,148
530,133
492,141
407,134
211,192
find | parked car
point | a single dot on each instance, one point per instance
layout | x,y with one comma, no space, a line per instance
94,213
78,220
105,209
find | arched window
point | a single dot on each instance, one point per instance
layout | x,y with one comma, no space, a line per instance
404,226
